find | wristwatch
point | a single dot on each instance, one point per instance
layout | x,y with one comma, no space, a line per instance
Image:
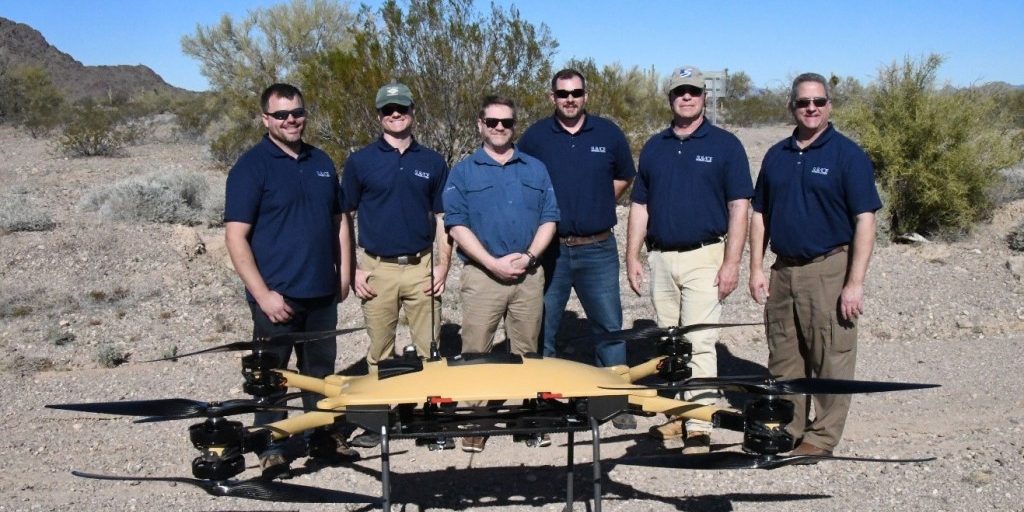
532,263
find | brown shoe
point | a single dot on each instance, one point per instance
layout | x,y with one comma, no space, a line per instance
697,443
809,450
473,444
671,429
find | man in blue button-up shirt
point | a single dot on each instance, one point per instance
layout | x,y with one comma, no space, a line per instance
500,209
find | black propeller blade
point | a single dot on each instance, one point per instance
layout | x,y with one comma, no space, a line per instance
740,460
280,340
652,332
175,408
802,386
254,489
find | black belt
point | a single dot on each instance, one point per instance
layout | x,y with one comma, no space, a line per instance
574,240
655,246
404,259
797,262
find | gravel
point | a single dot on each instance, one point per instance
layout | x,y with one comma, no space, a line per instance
946,313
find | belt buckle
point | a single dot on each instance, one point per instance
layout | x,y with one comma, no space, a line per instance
402,260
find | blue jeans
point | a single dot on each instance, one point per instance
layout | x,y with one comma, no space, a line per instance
315,358
593,270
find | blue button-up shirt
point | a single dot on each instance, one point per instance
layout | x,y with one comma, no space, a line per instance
583,168
503,205
394,195
688,182
290,204
809,197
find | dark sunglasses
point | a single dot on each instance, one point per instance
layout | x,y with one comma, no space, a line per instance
282,115
388,110
492,122
806,102
692,90
575,93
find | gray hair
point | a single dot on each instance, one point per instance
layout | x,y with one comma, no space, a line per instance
807,77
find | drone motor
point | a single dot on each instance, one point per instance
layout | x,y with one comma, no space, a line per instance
678,352
764,431
260,381
220,442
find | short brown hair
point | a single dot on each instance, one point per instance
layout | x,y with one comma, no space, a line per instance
566,74
494,99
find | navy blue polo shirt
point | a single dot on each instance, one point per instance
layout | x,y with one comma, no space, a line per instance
291,204
810,197
503,205
583,167
395,196
687,184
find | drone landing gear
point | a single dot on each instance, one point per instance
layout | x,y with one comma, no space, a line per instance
443,443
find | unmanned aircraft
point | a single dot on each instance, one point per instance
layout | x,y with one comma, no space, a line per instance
414,397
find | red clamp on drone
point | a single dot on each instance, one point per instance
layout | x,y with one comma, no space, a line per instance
547,395
438,400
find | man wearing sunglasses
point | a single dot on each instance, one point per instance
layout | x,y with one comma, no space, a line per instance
500,208
815,201
393,186
689,207
281,223
590,165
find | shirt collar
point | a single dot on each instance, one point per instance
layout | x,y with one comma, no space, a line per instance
701,131
275,151
820,141
384,146
480,157
557,127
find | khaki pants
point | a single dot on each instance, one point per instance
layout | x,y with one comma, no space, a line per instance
399,287
684,293
808,338
485,301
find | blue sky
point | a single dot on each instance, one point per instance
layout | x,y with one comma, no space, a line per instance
771,41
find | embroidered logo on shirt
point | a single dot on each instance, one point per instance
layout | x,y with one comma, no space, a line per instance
324,174
705,158
597,149
820,170
422,174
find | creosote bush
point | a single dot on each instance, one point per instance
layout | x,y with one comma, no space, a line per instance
171,197
93,130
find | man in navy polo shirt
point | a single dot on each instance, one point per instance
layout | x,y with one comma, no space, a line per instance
590,165
815,201
500,208
281,223
394,187
690,203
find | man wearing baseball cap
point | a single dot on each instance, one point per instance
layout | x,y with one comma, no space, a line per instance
394,187
689,208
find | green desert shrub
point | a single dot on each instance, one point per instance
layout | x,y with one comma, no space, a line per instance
17,213
110,356
937,153
95,130
171,197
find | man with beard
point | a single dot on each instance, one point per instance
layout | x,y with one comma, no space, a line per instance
815,201
590,165
689,207
281,225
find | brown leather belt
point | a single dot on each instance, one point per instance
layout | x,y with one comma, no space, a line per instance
573,241
796,262
404,259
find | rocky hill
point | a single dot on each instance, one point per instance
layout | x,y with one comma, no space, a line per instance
22,45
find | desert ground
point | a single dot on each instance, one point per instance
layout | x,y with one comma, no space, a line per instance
942,312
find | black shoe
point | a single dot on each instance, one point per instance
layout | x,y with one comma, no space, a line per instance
365,440
539,441
624,422
330,448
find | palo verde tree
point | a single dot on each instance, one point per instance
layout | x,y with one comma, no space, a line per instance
241,58
450,54
936,152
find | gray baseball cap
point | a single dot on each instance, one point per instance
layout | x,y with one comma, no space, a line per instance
686,75
396,93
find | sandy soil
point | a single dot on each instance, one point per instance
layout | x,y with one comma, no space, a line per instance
948,313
